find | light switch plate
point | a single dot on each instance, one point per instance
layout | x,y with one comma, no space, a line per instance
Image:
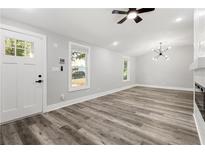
55,69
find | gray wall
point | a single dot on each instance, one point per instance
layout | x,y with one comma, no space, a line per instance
172,73
106,67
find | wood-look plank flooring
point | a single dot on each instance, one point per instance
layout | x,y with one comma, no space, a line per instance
134,116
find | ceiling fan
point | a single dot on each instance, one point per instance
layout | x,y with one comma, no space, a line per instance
132,13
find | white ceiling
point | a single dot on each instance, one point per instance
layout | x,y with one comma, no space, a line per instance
98,26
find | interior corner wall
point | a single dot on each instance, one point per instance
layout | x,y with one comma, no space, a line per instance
172,73
106,67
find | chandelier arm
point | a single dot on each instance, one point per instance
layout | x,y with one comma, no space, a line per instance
157,51
166,50
157,56
165,56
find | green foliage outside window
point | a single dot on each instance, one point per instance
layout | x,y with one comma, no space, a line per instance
10,46
76,72
18,47
77,55
125,70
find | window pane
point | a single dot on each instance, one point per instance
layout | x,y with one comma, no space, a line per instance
10,51
125,74
28,45
125,70
23,48
78,68
20,52
79,56
125,64
28,53
29,49
78,59
20,44
9,42
78,76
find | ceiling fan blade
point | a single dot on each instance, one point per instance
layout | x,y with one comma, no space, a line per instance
118,12
137,19
121,21
132,9
143,10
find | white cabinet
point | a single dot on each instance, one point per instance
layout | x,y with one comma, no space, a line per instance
199,33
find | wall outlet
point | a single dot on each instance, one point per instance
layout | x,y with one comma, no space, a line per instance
62,97
55,45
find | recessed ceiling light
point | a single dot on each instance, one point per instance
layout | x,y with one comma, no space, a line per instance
115,43
178,19
201,13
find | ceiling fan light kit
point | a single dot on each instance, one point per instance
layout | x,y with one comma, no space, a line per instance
132,13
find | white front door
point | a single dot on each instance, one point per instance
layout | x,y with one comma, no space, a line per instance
21,75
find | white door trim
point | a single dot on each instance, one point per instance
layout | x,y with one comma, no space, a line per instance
0,73
44,54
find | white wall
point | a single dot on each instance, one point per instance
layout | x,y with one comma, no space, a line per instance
172,73
106,67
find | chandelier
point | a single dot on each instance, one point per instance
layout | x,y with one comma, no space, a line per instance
161,52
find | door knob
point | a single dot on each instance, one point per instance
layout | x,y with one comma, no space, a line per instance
39,81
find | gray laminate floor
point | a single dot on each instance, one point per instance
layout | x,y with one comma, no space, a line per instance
133,116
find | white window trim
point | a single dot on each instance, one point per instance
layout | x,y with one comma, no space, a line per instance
128,68
70,88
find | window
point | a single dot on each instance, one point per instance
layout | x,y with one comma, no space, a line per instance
78,66
126,69
16,47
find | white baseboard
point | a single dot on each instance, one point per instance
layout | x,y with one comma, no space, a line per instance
200,125
84,98
165,87
197,127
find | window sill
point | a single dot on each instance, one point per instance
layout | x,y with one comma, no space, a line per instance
125,80
72,89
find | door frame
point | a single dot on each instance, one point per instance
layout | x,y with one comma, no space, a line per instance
44,54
